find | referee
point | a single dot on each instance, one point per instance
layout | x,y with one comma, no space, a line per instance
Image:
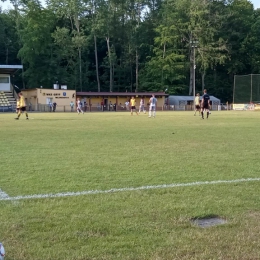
205,104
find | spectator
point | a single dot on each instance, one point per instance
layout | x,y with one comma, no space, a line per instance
110,106
114,106
54,106
141,106
71,106
50,106
127,105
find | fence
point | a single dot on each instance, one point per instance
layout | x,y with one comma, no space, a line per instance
94,108
246,88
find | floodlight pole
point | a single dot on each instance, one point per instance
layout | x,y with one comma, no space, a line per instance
234,89
194,75
194,45
251,94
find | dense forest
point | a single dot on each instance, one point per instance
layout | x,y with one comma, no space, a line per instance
132,45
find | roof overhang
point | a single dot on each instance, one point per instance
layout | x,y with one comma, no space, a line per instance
10,69
121,94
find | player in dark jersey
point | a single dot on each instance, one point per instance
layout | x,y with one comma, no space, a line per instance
205,104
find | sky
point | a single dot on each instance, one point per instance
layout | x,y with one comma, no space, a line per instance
7,5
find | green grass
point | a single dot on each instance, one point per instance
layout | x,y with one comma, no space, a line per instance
99,151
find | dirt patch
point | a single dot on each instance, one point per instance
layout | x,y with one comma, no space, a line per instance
209,221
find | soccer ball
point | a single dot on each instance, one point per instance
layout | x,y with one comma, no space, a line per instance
2,252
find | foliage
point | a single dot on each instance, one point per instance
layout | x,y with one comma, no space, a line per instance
139,44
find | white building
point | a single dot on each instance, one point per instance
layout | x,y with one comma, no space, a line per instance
5,76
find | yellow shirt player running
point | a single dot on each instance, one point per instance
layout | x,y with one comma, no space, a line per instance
197,103
22,106
132,104
17,106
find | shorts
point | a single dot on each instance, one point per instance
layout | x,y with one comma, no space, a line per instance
22,109
205,106
132,107
152,108
197,106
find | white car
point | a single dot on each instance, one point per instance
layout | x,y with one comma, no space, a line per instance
2,252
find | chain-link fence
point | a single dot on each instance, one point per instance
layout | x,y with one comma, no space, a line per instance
246,88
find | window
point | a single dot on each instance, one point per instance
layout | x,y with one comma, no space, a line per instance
48,100
4,80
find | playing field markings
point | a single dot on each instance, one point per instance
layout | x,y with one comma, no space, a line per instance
91,192
3,195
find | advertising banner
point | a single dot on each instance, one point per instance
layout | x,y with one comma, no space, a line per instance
245,106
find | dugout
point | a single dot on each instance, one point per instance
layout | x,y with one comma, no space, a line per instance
187,102
94,100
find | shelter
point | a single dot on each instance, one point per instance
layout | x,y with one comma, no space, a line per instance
94,99
187,102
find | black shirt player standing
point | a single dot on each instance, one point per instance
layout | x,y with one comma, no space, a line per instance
205,104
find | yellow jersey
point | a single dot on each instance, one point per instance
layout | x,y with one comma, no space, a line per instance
197,101
132,102
17,104
22,102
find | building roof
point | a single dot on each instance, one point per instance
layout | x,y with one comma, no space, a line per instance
122,94
190,98
9,69
47,89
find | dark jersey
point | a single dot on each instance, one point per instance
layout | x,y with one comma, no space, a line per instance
206,99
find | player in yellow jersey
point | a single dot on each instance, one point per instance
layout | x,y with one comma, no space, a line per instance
132,104
17,106
197,103
22,106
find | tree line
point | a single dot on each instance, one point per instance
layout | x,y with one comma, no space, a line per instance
132,45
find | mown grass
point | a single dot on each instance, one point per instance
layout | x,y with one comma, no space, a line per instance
65,152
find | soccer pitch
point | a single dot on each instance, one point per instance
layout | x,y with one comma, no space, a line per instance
114,186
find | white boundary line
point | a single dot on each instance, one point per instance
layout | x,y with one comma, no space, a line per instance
3,195
91,192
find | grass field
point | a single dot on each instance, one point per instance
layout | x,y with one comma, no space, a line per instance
69,153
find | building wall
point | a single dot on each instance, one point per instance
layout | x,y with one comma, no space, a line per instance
61,96
5,82
40,98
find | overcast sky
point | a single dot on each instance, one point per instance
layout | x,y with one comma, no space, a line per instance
7,4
